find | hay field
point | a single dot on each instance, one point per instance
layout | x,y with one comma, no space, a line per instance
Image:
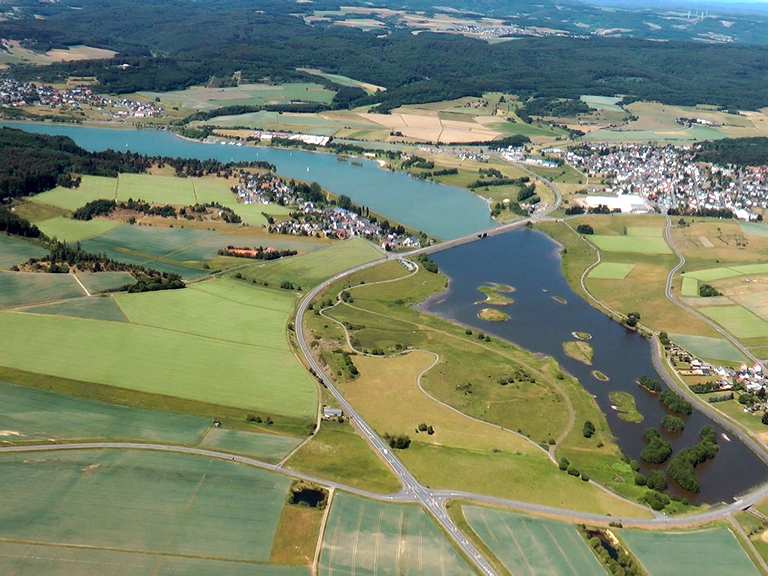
432,128
611,271
690,287
22,288
79,52
39,415
146,502
15,250
532,546
203,98
209,343
711,552
365,537
338,453
631,244
388,397
69,230
708,348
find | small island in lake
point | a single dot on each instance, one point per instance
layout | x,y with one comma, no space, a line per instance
492,315
586,336
624,404
495,294
579,351
597,375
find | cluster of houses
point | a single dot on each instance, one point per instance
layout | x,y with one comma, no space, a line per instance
15,94
267,188
747,378
316,219
519,155
670,177
329,221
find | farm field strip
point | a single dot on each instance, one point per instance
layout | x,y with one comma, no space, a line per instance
22,288
532,546
631,244
611,271
254,367
15,250
96,308
711,552
104,499
708,348
365,537
725,272
69,230
738,321
690,287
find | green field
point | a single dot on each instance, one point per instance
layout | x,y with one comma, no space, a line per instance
611,271
310,269
724,272
366,537
37,559
22,288
631,244
91,188
215,342
267,447
204,98
30,414
712,552
738,321
105,281
156,189
690,287
95,308
14,250
161,503
532,546
69,230
602,102
708,348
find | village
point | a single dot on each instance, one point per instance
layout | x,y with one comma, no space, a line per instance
669,177
314,216
15,94
747,384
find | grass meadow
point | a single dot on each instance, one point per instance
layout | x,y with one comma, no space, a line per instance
97,308
709,348
738,321
69,230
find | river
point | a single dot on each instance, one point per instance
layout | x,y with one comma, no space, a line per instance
530,261
443,212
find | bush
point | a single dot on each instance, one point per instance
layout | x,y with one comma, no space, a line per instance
588,429
398,442
656,500
564,464
657,481
585,229
675,403
640,479
657,450
672,423
573,471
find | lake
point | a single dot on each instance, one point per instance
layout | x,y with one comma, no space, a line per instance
530,261
442,212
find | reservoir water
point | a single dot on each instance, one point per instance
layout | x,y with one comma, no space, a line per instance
530,262
441,211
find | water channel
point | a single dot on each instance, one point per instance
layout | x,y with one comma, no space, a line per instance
530,262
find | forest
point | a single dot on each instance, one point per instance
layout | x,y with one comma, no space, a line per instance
739,151
178,50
